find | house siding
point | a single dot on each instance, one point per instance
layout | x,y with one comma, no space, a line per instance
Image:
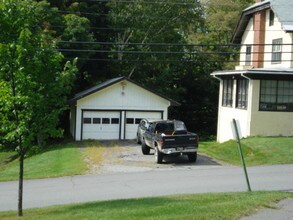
226,115
275,32
268,123
272,32
247,39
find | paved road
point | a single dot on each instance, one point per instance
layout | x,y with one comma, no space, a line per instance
196,179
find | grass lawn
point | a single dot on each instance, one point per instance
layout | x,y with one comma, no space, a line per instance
58,160
68,159
257,150
200,206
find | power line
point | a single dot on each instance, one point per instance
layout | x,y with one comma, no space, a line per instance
154,29
164,52
167,60
144,2
167,44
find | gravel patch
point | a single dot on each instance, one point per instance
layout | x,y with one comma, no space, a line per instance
126,156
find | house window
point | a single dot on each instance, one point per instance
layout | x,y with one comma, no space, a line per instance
276,95
242,93
248,55
272,18
277,50
227,92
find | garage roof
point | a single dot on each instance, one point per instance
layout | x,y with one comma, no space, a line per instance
109,83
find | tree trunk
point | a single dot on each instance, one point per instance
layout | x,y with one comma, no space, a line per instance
20,185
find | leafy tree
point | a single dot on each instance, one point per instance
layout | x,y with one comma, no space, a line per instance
141,22
33,83
221,20
83,24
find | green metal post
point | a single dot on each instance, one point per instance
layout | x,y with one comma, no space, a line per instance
241,155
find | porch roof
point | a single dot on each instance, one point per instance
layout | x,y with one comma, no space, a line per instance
257,73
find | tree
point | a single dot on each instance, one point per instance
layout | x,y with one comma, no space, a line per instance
220,22
83,25
139,23
33,83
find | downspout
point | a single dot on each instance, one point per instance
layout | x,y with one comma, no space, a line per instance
249,106
246,77
217,77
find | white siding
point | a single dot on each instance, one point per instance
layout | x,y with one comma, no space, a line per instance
227,114
272,32
275,32
246,39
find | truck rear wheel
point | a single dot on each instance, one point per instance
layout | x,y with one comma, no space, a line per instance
144,148
192,157
158,155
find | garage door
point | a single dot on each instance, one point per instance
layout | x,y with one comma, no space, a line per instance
132,120
101,125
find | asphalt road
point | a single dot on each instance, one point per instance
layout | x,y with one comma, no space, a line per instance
182,180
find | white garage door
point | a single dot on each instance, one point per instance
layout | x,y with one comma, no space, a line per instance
132,120
100,125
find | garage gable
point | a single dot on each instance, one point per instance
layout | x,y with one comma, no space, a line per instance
119,84
124,95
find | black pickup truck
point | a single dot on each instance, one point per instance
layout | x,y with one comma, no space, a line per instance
170,137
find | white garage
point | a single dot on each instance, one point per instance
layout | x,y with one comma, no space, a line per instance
112,110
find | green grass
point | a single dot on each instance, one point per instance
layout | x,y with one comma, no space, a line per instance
201,206
67,159
257,150
58,160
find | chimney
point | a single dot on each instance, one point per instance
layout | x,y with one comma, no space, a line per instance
259,21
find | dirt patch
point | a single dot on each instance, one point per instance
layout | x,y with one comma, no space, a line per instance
126,156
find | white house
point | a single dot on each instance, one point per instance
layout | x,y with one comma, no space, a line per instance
258,94
113,110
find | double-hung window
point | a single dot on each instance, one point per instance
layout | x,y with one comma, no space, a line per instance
227,99
248,55
277,50
242,93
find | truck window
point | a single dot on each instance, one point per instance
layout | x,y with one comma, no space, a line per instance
164,128
179,126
